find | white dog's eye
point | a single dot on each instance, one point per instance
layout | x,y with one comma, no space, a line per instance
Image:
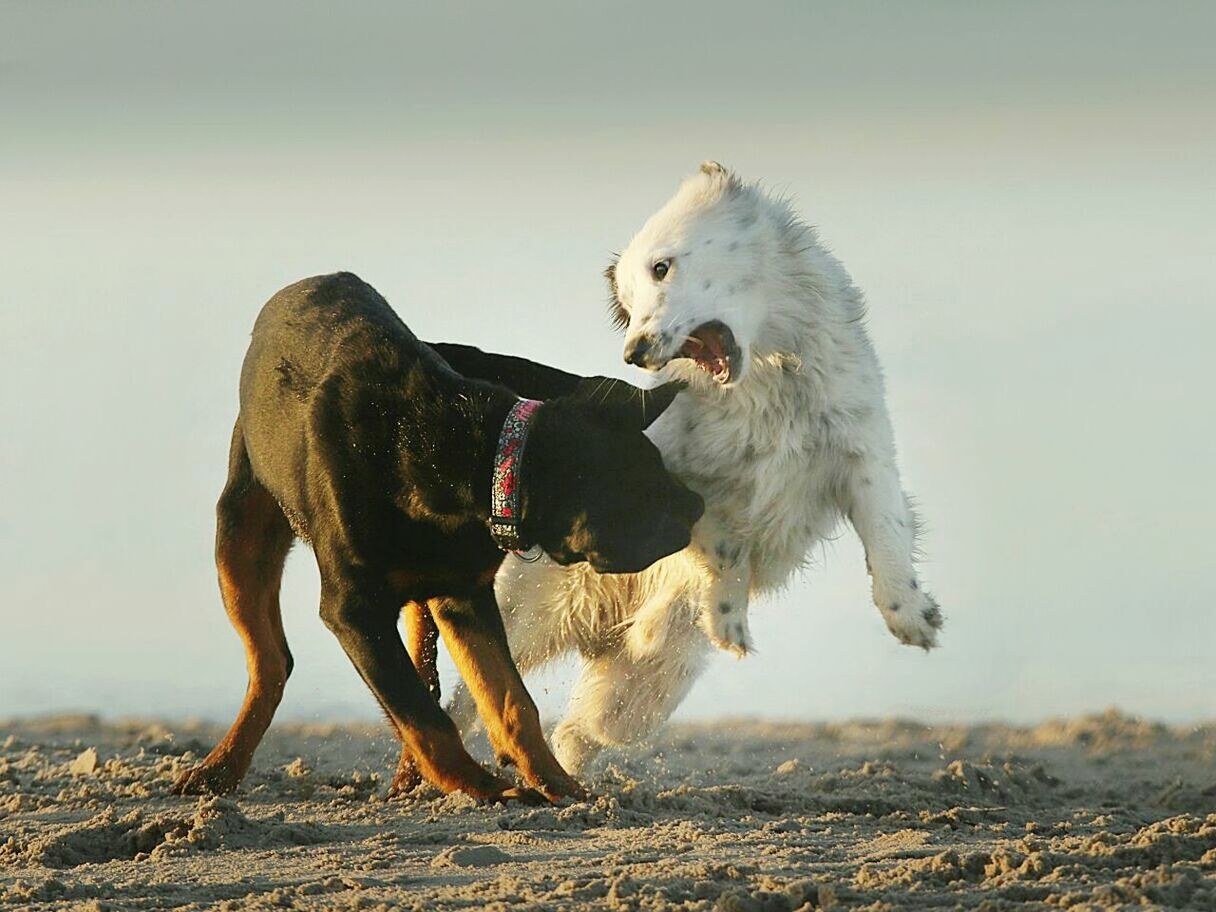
659,270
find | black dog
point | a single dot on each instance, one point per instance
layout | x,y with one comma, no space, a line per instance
364,442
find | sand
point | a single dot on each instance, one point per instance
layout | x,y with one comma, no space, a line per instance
1090,813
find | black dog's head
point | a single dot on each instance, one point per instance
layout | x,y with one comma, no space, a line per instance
594,487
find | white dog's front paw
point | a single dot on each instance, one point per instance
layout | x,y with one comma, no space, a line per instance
726,626
912,616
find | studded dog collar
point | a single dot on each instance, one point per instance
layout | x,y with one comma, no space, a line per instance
505,507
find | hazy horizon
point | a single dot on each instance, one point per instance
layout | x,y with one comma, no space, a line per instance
1024,193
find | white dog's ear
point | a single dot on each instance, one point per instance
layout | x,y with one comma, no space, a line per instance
616,310
719,172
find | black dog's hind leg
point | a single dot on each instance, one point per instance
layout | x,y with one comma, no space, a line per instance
251,543
363,616
422,643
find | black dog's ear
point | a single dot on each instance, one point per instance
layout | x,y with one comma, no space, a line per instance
654,401
625,403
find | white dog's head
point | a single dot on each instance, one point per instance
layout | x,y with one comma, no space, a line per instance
691,283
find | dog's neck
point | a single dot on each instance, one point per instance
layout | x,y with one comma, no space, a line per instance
449,474
484,453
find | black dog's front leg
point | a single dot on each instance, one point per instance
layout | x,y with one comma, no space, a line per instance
473,631
365,624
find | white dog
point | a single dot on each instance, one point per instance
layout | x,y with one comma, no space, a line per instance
783,430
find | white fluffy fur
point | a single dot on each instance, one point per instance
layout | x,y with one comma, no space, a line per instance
798,439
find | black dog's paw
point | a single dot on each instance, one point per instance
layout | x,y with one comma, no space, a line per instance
208,779
406,781
528,796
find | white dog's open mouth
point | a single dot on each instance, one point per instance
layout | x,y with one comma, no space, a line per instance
712,346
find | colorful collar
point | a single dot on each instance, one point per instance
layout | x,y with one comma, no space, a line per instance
505,507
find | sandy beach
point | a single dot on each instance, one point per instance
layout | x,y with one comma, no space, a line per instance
1097,812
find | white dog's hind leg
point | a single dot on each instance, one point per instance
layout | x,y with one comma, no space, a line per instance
619,699
650,626
661,596
724,600
887,527
463,710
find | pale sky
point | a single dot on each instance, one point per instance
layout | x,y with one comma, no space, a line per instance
1025,192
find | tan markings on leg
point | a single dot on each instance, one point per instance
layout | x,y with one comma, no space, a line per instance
422,643
252,541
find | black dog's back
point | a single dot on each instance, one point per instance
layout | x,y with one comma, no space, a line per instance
335,381
313,333
317,321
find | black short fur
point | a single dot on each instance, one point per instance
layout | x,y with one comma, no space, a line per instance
380,454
